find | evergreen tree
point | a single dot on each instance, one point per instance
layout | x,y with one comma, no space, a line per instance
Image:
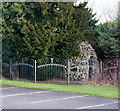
108,41
38,30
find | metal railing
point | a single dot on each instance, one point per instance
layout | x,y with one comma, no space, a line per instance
61,71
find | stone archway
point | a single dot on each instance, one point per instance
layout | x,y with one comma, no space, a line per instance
84,67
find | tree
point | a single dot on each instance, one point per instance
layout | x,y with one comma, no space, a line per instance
108,41
39,30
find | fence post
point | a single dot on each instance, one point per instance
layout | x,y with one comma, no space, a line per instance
101,67
68,72
10,70
35,71
118,70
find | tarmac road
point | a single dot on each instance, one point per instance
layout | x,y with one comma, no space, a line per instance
27,98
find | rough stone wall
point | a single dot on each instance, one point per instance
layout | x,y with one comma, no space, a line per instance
86,50
86,66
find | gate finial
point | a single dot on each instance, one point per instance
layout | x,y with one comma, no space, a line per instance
52,60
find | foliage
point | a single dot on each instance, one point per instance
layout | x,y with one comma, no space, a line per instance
47,73
39,30
108,41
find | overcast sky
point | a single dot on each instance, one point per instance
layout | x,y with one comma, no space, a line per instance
105,10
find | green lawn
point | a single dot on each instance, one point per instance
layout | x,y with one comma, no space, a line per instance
104,91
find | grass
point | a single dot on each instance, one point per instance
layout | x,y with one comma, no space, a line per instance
103,91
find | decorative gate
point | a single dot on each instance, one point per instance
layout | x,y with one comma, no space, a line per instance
52,70
22,68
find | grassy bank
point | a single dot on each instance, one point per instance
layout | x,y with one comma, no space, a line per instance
104,91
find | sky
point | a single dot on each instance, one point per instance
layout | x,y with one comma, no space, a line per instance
106,10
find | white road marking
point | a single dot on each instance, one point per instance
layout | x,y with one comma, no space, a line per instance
22,94
98,105
8,87
59,99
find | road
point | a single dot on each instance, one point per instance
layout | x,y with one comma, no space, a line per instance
27,98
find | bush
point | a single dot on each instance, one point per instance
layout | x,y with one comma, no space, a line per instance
49,72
